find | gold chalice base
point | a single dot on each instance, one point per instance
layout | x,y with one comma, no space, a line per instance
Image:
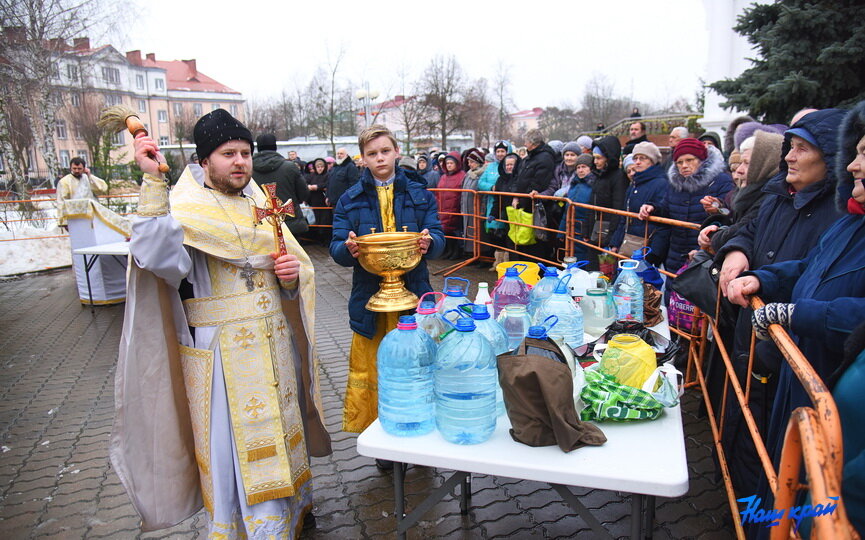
390,255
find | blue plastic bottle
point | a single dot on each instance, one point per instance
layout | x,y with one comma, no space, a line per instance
406,396
456,292
465,384
569,330
543,289
498,338
511,289
628,292
427,316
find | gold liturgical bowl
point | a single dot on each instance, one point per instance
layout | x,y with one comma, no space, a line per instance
390,255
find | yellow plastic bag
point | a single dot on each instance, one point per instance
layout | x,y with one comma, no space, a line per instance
629,360
520,234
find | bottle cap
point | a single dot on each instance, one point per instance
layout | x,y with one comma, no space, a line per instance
406,322
537,332
465,324
480,312
549,271
427,307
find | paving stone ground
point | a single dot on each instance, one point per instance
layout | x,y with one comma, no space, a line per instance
57,403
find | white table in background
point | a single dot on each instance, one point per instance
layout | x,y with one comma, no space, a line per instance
646,459
92,253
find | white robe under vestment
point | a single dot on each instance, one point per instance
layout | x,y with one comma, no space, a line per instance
167,471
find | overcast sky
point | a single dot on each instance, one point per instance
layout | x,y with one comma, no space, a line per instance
653,51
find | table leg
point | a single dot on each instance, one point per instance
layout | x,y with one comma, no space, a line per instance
649,527
466,494
636,515
87,266
399,495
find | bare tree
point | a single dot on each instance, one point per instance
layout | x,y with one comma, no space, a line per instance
562,123
182,126
600,103
16,140
443,85
504,103
479,113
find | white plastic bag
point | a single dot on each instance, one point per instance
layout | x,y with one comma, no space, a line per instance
670,389
307,213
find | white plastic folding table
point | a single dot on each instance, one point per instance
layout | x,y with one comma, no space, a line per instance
646,459
118,250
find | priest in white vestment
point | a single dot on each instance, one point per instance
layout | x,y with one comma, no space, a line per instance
217,383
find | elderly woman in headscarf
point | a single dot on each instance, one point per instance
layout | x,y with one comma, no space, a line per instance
697,171
449,203
317,182
475,164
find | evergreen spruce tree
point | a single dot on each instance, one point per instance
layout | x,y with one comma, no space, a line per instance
811,54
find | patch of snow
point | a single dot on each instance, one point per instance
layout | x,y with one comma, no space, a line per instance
45,443
20,256
5,448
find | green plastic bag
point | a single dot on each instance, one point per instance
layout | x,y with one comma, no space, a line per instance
520,234
605,399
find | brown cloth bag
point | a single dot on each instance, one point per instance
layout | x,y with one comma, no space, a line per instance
652,313
538,393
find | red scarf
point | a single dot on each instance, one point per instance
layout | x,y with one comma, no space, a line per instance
855,207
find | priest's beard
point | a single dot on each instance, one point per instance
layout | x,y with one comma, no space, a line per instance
228,183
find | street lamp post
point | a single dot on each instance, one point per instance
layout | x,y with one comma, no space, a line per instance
366,96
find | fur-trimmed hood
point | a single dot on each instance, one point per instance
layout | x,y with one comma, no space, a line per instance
712,166
851,131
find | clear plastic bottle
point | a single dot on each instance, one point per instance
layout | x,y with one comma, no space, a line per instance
511,289
483,295
569,329
465,384
427,316
628,292
498,338
516,322
543,289
406,396
580,280
456,292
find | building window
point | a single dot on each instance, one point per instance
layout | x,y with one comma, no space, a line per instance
160,84
214,106
55,71
162,116
78,134
64,158
117,139
139,82
233,110
178,109
61,129
75,99
83,155
142,105
113,99
111,75
163,140
72,72
196,109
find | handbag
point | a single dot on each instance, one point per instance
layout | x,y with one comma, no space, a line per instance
521,235
630,244
539,219
599,232
698,284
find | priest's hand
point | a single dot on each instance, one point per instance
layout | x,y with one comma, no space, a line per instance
286,267
424,241
146,150
351,245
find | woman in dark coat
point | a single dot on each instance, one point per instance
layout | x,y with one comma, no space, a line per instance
697,171
509,168
609,189
317,182
648,187
820,298
449,203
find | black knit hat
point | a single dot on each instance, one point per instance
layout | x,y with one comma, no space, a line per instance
215,128
266,141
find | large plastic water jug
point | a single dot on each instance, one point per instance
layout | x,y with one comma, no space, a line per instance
628,292
465,384
543,289
510,290
645,270
599,310
569,330
498,338
456,292
427,315
580,280
516,321
406,395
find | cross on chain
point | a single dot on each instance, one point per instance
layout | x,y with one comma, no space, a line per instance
275,213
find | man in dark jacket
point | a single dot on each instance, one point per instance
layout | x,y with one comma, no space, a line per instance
268,166
637,132
386,199
798,207
343,175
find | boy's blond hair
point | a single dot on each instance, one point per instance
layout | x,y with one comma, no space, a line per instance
373,132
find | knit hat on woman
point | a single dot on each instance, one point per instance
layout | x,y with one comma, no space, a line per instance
648,149
690,146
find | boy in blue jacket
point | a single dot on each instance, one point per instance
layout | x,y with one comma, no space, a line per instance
387,199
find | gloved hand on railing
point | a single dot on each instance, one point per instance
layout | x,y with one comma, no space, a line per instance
775,313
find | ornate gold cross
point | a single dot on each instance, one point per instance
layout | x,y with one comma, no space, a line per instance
275,213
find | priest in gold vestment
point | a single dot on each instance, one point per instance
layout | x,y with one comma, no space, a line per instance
217,400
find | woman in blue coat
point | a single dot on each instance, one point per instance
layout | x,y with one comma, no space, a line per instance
820,298
696,172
